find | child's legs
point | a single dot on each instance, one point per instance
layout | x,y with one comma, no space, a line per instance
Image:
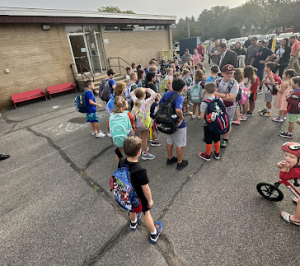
245,108
96,127
179,152
281,113
170,151
132,216
149,221
226,135
144,137
237,114
269,105
118,154
198,105
194,108
252,106
291,127
186,108
153,133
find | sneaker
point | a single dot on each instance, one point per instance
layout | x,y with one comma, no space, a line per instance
94,133
284,117
277,119
265,114
171,161
180,166
148,156
204,156
193,116
133,225
100,134
262,111
199,117
150,140
155,143
249,113
217,155
223,143
243,118
154,237
286,135
147,148
236,122
259,92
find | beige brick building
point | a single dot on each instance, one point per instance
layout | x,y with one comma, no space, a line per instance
38,46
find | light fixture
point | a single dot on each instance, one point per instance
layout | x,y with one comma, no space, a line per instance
46,27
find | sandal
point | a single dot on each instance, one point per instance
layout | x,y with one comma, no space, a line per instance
286,216
236,122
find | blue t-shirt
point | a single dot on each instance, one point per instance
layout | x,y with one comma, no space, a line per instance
261,55
177,103
147,70
92,108
111,83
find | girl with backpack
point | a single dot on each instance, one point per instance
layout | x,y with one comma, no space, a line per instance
120,125
141,114
238,76
118,91
141,78
283,90
251,81
197,88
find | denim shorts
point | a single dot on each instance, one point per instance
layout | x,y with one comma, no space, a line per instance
92,118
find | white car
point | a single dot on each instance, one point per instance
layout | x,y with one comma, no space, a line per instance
283,35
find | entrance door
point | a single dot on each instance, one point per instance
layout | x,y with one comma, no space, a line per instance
80,53
91,39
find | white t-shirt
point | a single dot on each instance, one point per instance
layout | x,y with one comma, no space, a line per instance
127,77
223,88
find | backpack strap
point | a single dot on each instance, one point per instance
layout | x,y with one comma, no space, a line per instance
133,169
173,99
230,85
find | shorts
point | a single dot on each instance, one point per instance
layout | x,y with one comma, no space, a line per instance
294,117
144,203
252,97
92,118
118,153
268,97
178,138
260,74
230,111
210,136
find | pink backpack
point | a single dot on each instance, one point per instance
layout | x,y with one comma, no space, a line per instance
244,94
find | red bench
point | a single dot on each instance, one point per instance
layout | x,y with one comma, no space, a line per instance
28,95
60,88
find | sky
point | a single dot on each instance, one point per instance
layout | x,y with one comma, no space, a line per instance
176,8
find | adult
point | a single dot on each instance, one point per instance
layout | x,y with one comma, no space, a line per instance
3,157
227,57
282,56
197,57
214,54
240,52
185,57
294,63
270,42
201,49
250,51
247,43
261,56
208,50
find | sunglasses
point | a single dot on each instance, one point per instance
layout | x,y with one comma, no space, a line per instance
293,147
229,73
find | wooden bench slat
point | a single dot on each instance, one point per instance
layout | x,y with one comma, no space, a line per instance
60,88
27,95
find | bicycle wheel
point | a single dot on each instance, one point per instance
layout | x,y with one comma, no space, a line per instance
269,192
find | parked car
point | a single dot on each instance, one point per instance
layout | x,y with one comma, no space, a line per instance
206,42
262,38
241,40
232,42
283,35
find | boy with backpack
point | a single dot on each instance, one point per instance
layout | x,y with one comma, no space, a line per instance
211,107
170,109
214,70
91,115
151,78
131,86
107,86
138,185
227,90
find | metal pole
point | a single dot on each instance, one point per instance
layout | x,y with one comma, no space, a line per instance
189,30
119,65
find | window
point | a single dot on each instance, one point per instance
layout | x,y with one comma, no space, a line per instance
91,28
150,28
138,27
126,27
111,28
74,28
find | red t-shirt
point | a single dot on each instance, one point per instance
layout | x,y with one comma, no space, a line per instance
292,174
200,49
254,86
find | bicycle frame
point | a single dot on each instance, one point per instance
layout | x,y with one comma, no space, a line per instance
289,186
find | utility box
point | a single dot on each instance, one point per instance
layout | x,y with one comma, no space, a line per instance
189,43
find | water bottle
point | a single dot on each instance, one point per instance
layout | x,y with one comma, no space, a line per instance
174,117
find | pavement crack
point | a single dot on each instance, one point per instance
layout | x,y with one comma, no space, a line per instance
97,156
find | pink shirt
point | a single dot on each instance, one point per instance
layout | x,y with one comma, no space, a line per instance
295,47
197,58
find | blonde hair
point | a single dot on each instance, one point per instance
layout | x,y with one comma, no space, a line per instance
169,70
176,75
238,75
119,103
190,59
132,75
152,69
120,88
139,93
199,75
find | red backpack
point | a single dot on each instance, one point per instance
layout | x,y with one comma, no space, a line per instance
278,82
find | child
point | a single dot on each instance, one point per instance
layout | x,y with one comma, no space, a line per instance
289,169
188,83
238,76
200,65
119,91
116,118
214,70
153,110
91,115
110,79
283,90
141,78
128,71
150,77
209,136
169,79
292,110
176,75
251,82
140,181
190,63
268,82
141,113
198,78
133,66
177,67
131,86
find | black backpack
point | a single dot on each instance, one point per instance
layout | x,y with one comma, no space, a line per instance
104,90
165,123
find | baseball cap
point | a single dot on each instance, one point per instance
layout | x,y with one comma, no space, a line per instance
253,38
228,68
187,49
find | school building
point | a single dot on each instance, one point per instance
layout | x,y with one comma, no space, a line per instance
45,47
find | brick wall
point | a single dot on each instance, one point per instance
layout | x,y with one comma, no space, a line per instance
136,46
35,58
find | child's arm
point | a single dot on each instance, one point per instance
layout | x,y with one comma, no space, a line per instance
202,115
151,99
147,193
133,97
271,82
91,102
282,87
108,126
131,121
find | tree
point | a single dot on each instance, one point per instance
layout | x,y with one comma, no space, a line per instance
114,9
232,32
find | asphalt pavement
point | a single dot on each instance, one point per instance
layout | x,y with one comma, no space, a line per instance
56,207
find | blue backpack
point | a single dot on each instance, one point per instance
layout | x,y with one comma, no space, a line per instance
196,93
122,188
216,116
81,104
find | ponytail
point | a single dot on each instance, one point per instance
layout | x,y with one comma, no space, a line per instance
119,103
139,93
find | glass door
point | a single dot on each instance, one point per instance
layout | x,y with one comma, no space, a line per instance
93,48
80,53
